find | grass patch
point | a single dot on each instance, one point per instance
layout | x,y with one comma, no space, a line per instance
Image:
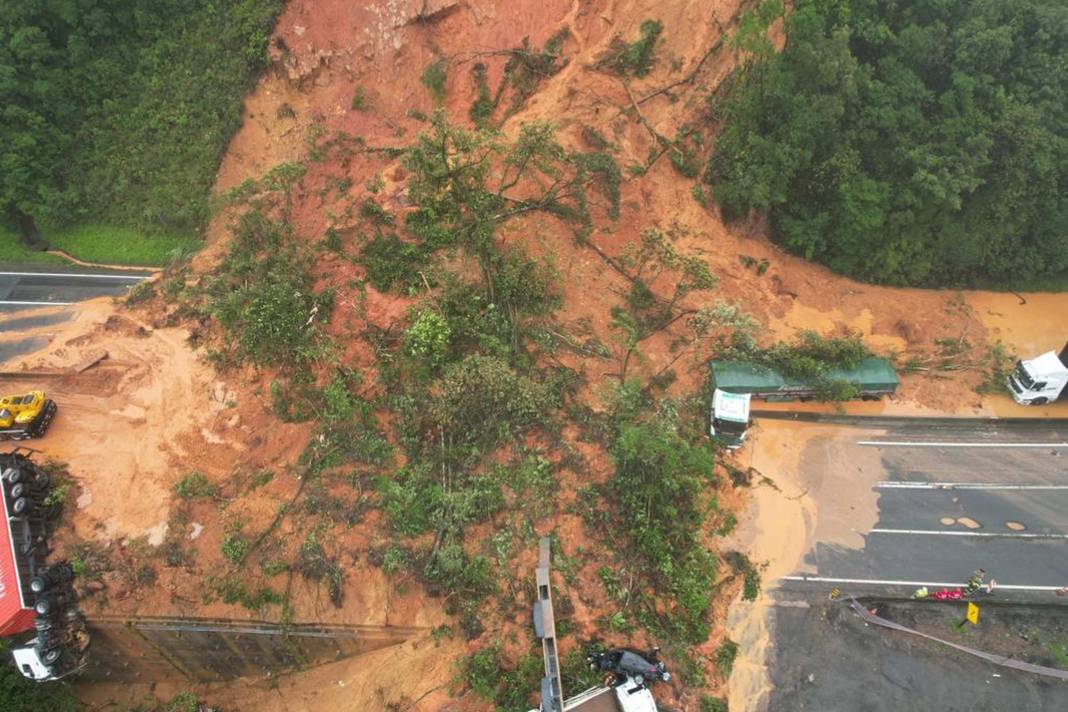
120,245
99,243
12,250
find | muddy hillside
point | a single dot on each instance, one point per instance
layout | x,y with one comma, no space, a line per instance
501,277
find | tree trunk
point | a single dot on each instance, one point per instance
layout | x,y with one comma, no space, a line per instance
31,236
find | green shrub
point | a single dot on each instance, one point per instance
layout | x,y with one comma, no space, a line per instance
260,478
195,485
360,102
510,688
636,58
263,296
275,319
725,655
332,240
483,672
235,548
459,574
482,400
233,591
482,109
685,157
713,704
314,564
1000,361
428,336
338,401
751,582
658,486
395,560
433,78
392,262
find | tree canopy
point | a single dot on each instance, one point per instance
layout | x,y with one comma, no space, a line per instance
119,110
908,141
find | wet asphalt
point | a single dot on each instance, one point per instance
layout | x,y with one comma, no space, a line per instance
1009,484
953,499
23,287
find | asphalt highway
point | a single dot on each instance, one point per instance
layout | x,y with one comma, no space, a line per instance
948,498
28,287
953,499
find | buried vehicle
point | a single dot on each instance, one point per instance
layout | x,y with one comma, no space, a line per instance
26,416
735,383
626,665
628,672
36,596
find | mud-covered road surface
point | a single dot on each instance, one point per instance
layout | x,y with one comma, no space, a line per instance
878,513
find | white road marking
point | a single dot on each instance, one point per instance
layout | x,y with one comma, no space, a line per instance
914,443
73,274
42,304
891,582
941,532
964,486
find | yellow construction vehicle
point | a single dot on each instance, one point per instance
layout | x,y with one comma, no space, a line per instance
25,416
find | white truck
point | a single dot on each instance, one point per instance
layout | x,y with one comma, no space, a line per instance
730,417
1040,380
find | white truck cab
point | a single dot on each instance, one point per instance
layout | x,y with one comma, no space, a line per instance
29,663
730,417
631,696
1040,380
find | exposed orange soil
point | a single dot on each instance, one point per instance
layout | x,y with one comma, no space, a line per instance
155,411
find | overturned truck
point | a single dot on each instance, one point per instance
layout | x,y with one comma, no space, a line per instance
38,605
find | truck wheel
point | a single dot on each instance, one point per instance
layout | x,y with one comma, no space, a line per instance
1040,401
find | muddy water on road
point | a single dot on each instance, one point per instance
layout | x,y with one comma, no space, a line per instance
809,488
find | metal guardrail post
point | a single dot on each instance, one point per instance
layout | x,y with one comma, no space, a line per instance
552,695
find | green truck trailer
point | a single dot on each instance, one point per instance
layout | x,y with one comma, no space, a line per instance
735,383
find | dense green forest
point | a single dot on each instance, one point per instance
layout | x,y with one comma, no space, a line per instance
117,111
915,142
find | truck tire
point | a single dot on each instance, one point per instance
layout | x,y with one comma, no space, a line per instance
1039,401
21,507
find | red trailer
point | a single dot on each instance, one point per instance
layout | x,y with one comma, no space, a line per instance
18,559
35,596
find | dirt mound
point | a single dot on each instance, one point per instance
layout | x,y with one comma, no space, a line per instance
122,422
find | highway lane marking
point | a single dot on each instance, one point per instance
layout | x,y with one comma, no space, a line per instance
913,443
41,304
964,486
73,274
917,584
940,532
